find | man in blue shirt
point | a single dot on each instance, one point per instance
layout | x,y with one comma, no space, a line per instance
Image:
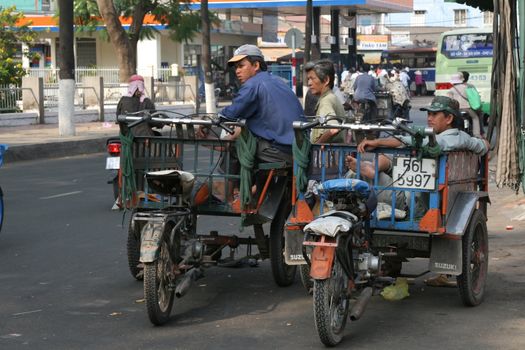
365,86
267,103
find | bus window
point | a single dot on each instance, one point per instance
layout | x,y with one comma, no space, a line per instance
473,45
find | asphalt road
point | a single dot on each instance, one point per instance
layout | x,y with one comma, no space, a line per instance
64,284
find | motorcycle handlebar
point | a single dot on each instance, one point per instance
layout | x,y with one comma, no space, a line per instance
162,117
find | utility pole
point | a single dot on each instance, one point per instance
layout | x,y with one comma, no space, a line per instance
209,90
307,42
352,41
66,84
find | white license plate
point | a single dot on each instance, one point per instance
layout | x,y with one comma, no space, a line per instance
112,163
410,172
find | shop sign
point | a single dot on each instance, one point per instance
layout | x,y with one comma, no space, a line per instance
372,42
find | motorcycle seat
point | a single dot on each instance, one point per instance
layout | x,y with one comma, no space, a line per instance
171,182
345,185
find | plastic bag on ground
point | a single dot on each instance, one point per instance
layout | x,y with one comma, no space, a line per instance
397,291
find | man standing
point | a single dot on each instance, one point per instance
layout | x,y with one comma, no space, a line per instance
364,92
267,103
405,79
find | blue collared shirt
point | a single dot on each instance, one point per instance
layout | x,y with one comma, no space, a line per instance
269,107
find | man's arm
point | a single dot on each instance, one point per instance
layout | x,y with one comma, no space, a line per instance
383,142
478,146
244,104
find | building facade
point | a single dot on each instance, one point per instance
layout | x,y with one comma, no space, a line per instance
241,22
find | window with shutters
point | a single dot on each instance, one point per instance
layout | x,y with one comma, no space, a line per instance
460,17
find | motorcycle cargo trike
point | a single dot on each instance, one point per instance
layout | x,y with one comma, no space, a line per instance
350,234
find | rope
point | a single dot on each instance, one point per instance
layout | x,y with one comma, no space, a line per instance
301,156
426,150
246,145
129,185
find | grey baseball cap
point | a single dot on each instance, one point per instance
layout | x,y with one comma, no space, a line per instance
245,51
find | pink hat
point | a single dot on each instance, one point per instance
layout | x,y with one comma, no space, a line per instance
136,77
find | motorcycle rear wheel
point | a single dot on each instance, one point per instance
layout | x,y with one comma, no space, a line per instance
331,306
475,244
133,250
158,289
283,274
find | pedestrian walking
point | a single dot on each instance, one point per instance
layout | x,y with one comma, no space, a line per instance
418,80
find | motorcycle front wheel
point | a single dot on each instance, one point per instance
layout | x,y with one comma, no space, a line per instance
331,306
158,289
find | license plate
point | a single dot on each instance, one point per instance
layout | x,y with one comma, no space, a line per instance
112,163
410,172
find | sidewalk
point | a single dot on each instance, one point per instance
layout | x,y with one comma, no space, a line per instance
38,141
31,142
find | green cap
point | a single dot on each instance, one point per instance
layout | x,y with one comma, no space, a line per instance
443,104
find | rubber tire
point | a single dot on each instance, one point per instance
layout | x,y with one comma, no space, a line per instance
475,249
1,208
133,250
323,310
156,281
306,279
283,274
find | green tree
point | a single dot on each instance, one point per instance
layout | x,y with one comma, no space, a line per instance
11,38
182,22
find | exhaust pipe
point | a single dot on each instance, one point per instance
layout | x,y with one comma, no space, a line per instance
360,305
186,282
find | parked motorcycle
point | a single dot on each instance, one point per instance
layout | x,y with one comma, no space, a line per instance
341,262
113,148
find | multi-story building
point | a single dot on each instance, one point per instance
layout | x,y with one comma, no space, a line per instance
242,21
429,19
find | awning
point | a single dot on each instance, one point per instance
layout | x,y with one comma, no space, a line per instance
274,54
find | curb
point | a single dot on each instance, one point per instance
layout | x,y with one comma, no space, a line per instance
55,149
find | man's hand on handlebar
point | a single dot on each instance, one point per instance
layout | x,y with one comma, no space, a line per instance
203,132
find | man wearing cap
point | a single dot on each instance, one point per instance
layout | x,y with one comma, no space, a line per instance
266,102
443,117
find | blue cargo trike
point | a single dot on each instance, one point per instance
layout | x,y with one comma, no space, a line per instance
169,181
350,235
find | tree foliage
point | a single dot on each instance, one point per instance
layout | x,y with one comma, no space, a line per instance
484,5
103,16
11,37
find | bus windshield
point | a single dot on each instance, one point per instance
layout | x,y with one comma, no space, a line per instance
469,45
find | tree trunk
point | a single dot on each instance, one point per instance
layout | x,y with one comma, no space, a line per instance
66,90
126,49
209,90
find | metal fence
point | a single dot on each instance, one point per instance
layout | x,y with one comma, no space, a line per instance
110,75
9,97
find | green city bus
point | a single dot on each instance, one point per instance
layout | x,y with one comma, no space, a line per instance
465,50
